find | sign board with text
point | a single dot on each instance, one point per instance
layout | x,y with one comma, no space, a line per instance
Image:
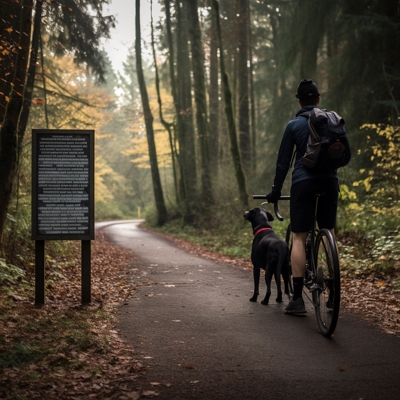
62,184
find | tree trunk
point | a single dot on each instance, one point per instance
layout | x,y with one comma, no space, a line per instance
213,96
10,28
30,82
199,86
234,146
243,82
252,103
148,117
170,127
9,144
187,153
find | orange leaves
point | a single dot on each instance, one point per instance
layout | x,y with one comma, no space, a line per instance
38,102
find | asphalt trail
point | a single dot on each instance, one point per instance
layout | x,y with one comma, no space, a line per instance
199,337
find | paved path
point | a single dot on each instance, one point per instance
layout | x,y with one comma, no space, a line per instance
199,336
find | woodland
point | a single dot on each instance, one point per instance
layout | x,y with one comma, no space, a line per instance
193,123
191,127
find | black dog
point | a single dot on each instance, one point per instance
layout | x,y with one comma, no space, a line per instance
268,252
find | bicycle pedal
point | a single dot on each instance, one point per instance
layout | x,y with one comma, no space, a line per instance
315,287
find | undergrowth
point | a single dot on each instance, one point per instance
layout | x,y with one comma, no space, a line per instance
368,238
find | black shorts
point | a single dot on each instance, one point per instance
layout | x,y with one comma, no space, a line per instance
302,204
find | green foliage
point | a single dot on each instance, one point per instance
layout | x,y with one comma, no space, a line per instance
9,274
108,211
20,354
381,179
228,234
369,237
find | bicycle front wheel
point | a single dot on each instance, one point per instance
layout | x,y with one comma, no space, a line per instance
327,294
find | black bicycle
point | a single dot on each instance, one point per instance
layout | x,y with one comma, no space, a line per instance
322,273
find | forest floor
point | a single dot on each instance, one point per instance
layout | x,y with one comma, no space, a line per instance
67,350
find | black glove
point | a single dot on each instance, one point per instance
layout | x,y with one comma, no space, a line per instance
273,196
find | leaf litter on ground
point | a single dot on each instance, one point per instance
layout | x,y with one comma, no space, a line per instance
67,350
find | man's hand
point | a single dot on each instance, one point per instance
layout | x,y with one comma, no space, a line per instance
273,196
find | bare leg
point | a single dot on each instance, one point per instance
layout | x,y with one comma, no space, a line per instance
298,255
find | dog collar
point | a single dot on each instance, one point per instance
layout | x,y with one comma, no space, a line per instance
261,229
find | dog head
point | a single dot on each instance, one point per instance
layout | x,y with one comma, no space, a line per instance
259,218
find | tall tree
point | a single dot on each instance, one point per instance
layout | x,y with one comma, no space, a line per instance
30,80
180,80
234,146
186,137
9,144
253,132
76,29
213,97
199,86
243,81
148,118
169,126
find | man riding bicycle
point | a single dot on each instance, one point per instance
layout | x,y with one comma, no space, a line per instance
305,182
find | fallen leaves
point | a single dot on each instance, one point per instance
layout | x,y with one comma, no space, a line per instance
38,102
65,349
374,300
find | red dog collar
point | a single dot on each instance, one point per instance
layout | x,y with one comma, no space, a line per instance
261,229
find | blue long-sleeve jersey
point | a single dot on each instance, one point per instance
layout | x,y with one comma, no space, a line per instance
295,137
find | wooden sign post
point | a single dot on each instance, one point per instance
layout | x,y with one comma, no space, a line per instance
62,197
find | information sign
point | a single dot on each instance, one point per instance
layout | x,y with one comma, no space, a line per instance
62,184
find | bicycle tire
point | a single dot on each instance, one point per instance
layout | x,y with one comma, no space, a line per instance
289,242
327,296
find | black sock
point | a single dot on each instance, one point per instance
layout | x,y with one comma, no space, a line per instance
297,288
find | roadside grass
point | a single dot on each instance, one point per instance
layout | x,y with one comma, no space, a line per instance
229,236
368,239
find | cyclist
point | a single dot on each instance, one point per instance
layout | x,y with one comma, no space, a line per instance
305,183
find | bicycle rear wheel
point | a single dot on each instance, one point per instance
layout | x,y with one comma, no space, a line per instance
327,296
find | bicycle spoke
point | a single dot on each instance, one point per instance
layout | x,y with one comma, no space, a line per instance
328,282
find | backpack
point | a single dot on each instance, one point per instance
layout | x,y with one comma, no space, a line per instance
327,140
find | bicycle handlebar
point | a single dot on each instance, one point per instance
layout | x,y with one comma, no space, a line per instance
276,210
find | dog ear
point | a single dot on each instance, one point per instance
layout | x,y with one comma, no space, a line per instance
269,216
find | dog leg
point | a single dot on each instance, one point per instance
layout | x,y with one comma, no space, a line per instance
256,275
286,276
268,279
278,287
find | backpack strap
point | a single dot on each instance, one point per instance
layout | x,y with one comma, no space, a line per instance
292,160
306,114
311,128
